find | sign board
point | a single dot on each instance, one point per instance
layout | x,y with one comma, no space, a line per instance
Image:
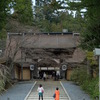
97,51
31,67
56,68
64,67
50,68
43,68
65,30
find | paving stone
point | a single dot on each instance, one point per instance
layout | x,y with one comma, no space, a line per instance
17,91
49,89
20,90
75,92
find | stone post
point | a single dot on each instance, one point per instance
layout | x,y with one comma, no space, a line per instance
97,53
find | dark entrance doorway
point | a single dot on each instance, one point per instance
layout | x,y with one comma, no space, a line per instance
49,73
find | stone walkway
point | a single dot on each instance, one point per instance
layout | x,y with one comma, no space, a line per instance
22,90
17,92
49,89
75,92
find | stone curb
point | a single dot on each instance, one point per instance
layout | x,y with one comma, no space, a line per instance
30,91
65,91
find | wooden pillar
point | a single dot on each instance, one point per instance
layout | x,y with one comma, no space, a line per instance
21,66
22,57
13,71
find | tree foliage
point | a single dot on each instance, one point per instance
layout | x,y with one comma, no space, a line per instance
23,11
4,9
90,38
79,76
53,17
4,77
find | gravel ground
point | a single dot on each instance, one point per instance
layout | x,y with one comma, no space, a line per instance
75,92
17,92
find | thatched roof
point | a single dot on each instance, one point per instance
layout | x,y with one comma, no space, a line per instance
78,56
49,41
2,60
56,45
46,41
47,62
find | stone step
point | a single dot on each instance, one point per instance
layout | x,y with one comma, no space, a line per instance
49,89
47,98
49,95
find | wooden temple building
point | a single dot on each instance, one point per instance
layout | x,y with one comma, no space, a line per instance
35,53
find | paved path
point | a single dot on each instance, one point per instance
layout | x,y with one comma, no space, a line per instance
75,92
49,89
20,90
17,92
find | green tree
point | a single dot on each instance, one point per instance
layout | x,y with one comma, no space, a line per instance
4,11
48,11
57,16
23,11
90,38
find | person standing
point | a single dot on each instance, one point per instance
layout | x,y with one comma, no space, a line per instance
57,75
44,76
40,91
57,94
53,75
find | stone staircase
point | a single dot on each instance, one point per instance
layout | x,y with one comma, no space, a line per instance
49,89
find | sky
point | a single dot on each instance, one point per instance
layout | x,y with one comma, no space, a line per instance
84,10
33,2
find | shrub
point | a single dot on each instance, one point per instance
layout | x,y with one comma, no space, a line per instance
4,77
91,86
79,75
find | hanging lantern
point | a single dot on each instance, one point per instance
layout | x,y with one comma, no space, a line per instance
31,67
64,67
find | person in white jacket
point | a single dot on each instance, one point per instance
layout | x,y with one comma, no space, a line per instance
40,91
44,76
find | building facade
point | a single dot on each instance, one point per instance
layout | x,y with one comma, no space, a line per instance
36,53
